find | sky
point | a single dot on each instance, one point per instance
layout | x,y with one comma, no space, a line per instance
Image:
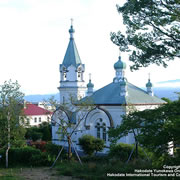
34,37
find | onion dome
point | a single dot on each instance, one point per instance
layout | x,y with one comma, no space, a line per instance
149,84
120,64
90,84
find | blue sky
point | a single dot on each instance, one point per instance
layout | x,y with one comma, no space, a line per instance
34,37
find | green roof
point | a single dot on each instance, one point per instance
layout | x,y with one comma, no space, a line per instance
110,95
149,84
90,84
120,64
72,56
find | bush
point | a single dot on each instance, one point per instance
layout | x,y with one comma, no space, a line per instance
27,156
52,150
122,152
90,144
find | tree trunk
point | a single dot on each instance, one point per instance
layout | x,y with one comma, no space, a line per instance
69,148
8,119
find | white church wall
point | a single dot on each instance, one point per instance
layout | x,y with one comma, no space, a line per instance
71,74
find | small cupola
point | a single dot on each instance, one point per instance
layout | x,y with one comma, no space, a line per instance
119,67
149,87
90,86
119,64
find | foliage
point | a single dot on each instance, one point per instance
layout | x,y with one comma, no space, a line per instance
90,144
166,99
53,150
152,31
122,152
98,169
41,145
161,123
41,132
27,156
68,117
11,103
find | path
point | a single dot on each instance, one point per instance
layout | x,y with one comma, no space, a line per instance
42,174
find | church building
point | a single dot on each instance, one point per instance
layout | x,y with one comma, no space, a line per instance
110,102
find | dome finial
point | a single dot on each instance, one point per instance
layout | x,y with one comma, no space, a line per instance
71,21
89,76
119,52
71,30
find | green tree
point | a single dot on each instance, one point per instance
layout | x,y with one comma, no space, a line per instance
154,128
41,132
152,31
11,104
69,116
90,144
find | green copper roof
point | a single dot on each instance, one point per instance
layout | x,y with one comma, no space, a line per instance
90,84
72,56
149,84
110,95
120,64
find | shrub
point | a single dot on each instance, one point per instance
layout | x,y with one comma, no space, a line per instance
27,156
90,144
53,150
122,152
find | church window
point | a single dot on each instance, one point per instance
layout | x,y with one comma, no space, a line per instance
104,131
98,130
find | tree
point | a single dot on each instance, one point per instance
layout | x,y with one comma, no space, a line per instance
11,103
153,31
154,129
90,144
69,118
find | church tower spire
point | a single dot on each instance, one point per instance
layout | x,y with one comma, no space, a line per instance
71,72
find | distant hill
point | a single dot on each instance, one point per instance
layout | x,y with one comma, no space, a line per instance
40,97
169,81
167,92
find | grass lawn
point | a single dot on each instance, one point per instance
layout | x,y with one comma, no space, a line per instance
10,174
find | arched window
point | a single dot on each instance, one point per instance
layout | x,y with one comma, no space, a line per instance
98,130
104,131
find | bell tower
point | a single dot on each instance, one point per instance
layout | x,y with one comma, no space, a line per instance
71,72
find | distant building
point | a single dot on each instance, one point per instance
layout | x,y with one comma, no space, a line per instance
110,102
36,115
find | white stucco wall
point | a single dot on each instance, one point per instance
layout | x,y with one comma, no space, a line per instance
38,118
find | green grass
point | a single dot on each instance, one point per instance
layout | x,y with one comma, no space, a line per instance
98,169
10,174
